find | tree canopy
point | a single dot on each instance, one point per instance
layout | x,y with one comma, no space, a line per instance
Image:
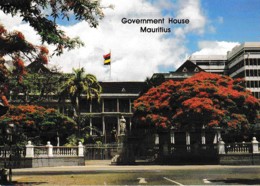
42,15
37,123
206,99
78,84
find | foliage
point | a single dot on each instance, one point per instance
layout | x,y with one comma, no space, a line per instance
77,85
37,87
154,81
81,83
37,123
42,16
204,99
14,46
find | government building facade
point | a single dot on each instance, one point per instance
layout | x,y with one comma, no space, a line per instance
242,61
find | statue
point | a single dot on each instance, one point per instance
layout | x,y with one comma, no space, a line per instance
122,124
125,154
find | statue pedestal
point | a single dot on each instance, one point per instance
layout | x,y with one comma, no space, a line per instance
125,155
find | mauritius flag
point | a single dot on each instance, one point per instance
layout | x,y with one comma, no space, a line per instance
107,59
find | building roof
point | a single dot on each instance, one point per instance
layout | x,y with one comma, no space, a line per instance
122,87
36,67
207,57
189,66
246,45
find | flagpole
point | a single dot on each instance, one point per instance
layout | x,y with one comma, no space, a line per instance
110,65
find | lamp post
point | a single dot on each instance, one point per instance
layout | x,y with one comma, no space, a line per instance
10,129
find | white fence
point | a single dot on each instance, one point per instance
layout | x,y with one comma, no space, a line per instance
53,151
239,148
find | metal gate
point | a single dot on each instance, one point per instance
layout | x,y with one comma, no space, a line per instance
102,151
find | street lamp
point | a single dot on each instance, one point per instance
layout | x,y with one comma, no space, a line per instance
10,129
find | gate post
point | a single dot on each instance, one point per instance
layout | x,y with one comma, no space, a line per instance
221,147
49,149
29,150
80,150
255,147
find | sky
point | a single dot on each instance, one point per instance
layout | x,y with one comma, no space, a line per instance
215,27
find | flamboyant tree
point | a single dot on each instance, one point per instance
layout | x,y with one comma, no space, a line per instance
37,124
15,50
206,99
42,15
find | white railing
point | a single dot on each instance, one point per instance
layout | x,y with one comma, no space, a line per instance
40,151
4,152
239,148
65,151
53,151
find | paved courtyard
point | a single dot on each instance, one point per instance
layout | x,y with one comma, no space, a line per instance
97,173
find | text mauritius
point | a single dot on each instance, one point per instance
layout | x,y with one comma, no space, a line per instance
161,22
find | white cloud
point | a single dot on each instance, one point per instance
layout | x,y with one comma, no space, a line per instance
215,47
191,9
135,55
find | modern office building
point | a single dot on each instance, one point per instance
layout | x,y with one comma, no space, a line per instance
243,61
211,63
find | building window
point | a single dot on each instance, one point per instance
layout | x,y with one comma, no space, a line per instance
96,106
97,126
124,105
84,105
196,69
110,105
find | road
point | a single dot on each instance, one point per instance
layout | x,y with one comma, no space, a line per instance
140,175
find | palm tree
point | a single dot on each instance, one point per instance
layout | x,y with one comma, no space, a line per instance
79,85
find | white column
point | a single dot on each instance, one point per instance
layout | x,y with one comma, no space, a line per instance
255,146
103,125
188,141
90,107
221,147
49,149
203,138
215,141
103,105
172,138
80,150
90,125
29,150
118,125
156,139
130,107
130,124
187,138
117,105
219,135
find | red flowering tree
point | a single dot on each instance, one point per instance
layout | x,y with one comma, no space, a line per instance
42,16
37,124
205,99
15,49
